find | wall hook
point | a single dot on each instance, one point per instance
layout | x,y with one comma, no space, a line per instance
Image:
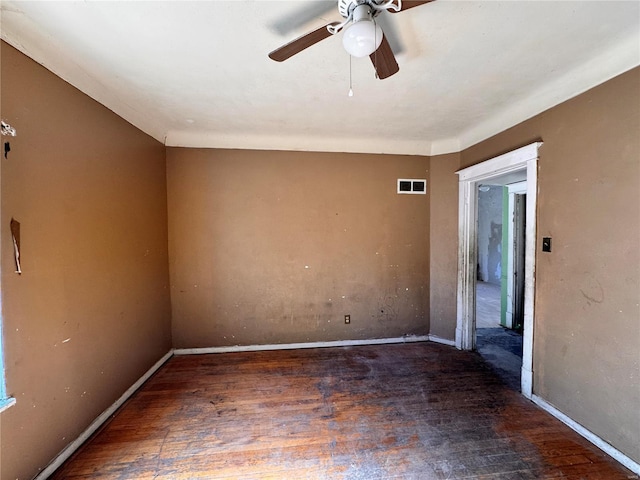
7,129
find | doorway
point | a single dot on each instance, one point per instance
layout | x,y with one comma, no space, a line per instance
499,279
513,167
515,239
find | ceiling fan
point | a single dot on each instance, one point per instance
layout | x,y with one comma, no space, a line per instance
363,37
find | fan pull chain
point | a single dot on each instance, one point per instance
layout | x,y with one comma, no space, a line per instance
350,80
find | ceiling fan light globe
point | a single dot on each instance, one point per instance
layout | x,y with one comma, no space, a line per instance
362,38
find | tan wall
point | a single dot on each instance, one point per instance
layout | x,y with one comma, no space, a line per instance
1,334
91,312
444,244
276,247
587,333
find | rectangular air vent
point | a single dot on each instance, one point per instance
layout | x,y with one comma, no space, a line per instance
412,185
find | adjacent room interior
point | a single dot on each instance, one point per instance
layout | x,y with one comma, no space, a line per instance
157,224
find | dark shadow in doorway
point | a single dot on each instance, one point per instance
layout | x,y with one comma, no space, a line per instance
501,348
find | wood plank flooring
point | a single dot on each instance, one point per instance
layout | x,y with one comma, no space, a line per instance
407,411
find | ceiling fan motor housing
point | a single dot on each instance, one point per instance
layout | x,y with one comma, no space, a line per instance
343,7
346,7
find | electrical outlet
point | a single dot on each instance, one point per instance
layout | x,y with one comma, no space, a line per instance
347,319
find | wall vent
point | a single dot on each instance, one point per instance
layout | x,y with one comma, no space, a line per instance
412,185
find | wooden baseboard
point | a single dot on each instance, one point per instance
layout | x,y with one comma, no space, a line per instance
443,341
97,423
589,435
293,346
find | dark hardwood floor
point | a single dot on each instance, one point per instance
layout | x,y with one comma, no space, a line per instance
408,411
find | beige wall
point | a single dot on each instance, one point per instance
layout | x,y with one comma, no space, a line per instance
444,244
276,247
91,312
1,334
587,332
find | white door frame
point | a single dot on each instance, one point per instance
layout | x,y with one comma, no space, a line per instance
513,189
522,159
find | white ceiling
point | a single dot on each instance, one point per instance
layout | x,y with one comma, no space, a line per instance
197,73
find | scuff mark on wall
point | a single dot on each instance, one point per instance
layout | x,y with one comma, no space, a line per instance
594,293
388,307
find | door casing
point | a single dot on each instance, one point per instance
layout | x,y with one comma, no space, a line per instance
514,165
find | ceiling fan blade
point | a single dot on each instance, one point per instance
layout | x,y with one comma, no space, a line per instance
303,15
301,43
407,4
387,23
384,61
